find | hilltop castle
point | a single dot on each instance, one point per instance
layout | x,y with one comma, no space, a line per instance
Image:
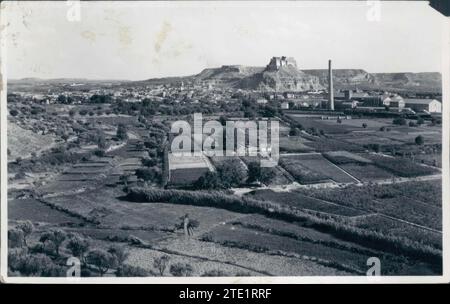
277,62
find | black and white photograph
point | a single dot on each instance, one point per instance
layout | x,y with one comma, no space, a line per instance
224,141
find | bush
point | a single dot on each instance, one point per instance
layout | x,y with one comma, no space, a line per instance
181,270
34,265
419,140
364,125
14,112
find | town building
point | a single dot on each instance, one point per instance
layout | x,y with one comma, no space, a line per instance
427,105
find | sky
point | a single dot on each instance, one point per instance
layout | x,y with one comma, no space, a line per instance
141,40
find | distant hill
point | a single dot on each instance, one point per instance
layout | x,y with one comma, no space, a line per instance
344,77
281,74
427,80
290,78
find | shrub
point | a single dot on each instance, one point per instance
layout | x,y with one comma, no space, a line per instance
181,269
14,112
34,265
160,263
419,140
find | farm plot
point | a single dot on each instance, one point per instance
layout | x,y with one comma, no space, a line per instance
235,236
35,211
368,138
392,200
328,126
294,144
366,172
301,201
187,169
106,207
400,166
344,157
266,264
307,168
294,230
356,124
387,226
121,235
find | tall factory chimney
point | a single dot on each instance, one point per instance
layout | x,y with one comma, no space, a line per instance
330,87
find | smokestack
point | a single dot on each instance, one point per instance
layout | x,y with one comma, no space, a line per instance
330,87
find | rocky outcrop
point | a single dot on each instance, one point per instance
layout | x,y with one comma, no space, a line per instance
286,78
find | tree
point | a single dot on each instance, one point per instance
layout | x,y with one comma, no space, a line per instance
14,112
55,237
16,238
27,228
122,132
223,120
210,180
78,246
119,253
254,172
181,269
149,174
419,140
160,263
101,260
232,173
